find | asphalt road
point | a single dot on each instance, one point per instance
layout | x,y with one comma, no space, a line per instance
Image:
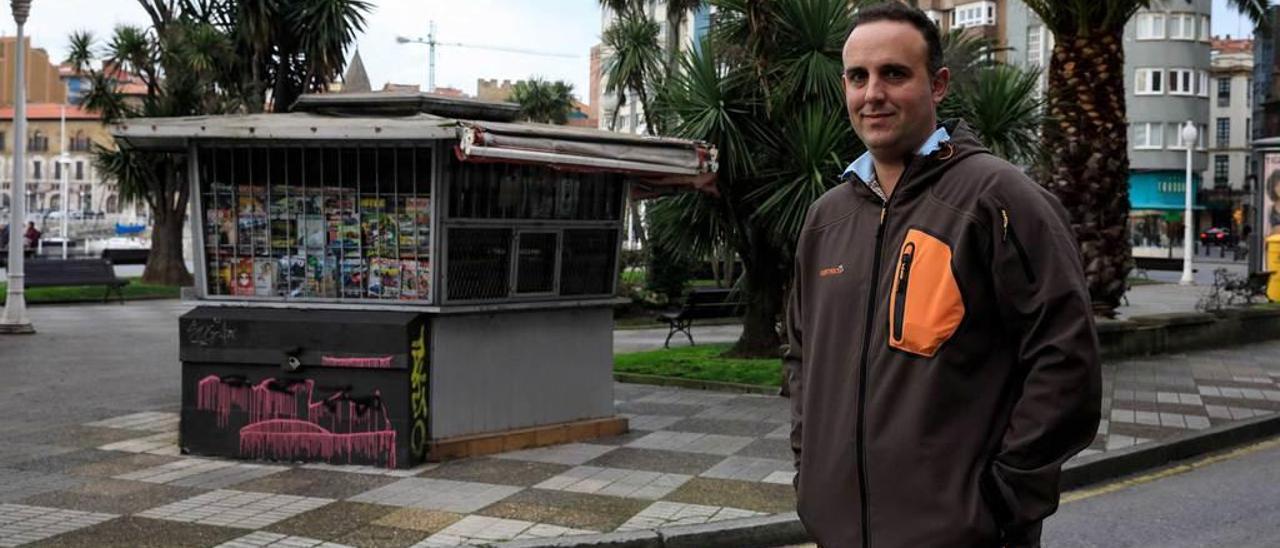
1231,499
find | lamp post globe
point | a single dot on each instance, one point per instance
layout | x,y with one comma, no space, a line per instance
1189,135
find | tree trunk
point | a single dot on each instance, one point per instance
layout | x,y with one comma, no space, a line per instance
763,283
165,265
1087,140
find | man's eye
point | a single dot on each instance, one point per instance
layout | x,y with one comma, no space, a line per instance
895,74
858,78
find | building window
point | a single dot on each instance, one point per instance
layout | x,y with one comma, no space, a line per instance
38,142
57,171
79,170
1202,88
1248,130
36,171
1221,165
1222,135
1150,26
1182,82
2,140
1224,91
1204,28
1035,45
973,14
1148,135
1202,136
1149,81
1182,26
1248,94
80,143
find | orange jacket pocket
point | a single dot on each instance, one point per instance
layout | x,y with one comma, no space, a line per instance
926,306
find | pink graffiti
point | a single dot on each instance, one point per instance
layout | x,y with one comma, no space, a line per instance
369,362
333,429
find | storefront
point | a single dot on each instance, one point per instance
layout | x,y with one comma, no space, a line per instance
1157,205
420,259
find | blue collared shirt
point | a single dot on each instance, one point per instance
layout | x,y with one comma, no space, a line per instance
865,168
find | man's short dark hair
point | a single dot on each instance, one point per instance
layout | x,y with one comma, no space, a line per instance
902,13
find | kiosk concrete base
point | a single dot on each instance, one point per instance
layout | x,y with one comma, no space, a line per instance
525,438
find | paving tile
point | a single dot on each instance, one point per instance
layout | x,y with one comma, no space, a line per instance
1197,423
112,496
650,423
1122,415
437,494
770,498
1147,417
136,532
782,432
568,454
747,428
165,443
497,471
148,421
746,413
331,522
65,461
20,484
714,444
13,452
263,539
664,513
379,535
620,440
203,473
573,510
1172,420
21,524
315,483
656,460
485,529
781,478
768,449
78,436
1218,411
638,407
371,470
230,508
427,521
748,468
617,482
680,396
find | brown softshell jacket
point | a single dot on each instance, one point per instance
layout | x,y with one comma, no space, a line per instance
943,362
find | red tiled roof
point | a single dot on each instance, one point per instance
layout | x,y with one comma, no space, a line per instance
1228,45
50,111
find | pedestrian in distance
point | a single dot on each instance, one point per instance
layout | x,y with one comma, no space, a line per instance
943,362
31,238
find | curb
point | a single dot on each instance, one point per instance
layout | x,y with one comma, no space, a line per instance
99,301
786,529
715,386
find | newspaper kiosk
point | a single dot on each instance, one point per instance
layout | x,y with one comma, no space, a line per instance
388,278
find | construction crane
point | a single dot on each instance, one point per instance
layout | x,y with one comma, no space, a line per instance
431,43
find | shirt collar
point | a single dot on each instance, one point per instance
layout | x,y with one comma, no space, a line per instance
865,168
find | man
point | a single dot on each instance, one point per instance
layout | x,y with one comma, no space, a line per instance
943,362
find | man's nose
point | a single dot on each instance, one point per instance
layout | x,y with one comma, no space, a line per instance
873,92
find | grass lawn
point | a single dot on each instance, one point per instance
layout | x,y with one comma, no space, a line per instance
701,362
1135,282
135,289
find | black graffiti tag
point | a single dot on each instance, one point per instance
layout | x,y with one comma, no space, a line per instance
210,333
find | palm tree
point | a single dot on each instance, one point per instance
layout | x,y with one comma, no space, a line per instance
1001,104
543,101
1087,142
633,63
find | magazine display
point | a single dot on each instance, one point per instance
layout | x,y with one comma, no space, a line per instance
331,243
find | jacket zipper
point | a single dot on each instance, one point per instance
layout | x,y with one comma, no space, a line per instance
1011,236
900,298
861,453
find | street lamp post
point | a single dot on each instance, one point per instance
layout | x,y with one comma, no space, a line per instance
15,319
1189,141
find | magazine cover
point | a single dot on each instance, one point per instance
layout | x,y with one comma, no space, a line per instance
264,277
252,219
408,280
348,232
379,234
243,283
373,205
420,209
424,280
353,274
328,277
384,278
283,232
311,233
220,278
221,230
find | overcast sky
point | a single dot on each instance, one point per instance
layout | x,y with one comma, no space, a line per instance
557,26
560,26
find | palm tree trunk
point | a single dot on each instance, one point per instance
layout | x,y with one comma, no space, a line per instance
1089,143
165,265
763,283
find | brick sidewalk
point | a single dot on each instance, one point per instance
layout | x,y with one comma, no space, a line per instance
692,457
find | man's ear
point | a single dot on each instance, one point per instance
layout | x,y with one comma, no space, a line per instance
941,84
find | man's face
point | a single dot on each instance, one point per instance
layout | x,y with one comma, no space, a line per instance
890,94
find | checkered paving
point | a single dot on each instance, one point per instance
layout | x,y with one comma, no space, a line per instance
204,473
21,524
264,539
692,457
663,514
149,421
438,494
229,508
615,482
484,529
16,485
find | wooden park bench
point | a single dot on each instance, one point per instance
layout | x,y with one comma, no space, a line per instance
74,272
701,304
126,256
